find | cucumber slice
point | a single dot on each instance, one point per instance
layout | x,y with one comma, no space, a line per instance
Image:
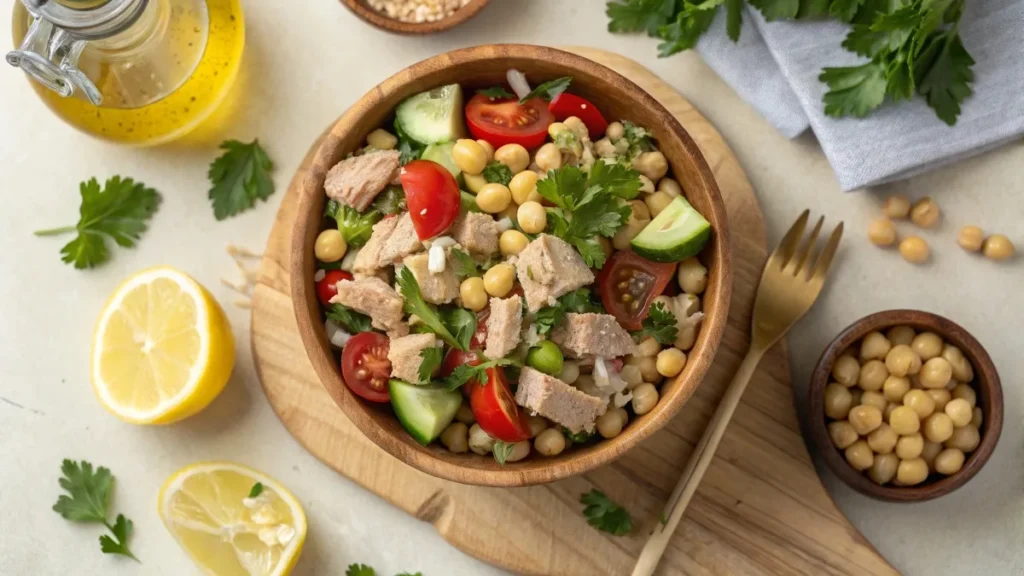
676,234
442,154
433,116
424,411
468,203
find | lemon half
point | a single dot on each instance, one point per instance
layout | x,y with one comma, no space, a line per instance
162,349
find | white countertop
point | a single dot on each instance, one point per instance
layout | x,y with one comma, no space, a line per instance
306,62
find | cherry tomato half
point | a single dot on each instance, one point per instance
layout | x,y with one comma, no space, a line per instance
495,409
565,105
503,121
365,367
628,283
327,287
432,195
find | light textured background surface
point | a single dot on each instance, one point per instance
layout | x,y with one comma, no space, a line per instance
306,62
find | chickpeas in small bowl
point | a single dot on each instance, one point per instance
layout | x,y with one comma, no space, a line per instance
905,406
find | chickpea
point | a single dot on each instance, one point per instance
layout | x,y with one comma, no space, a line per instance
499,279
928,345
940,398
881,232
381,139
842,434
615,131
523,185
519,451
962,369
646,185
514,156
645,398
537,424
533,218
896,207
883,439
859,455
639,218
938,427
670,186
904,421
949,461
651,164
883,470
469,156
493,198
895,388
623,415
648,367
959,411
846,370
965,439
856,393
865,419
648,347
657,202
971,238
577,126
686,338
455,438
909,447
998,247
512,242
556,128
902,360
925,213
872,398
872,375
631,375
936,373
671,362
475,182
978,418
911,472
479,442
692,276
609,424
920,402
550,442
465,414
901,335
928,453
874,347
604,148
549,157
488,149
914,250
888,410
473,294
330,246
967,393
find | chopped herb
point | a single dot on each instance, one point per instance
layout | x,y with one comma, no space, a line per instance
355,228
497,173
463,264
581,437
639,140
496,93
548,90
239,178
257,489
431,357
502,450
549,317
461,323
660,324
408,148
465,373
390,201
413,303
349,320
604,514
360,570
88,501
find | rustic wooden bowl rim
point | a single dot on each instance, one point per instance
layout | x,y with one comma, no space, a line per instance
578,460
986,384
384,22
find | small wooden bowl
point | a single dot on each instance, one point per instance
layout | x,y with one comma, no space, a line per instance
481,67
362,9
986,384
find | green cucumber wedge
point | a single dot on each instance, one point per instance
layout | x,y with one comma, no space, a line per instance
468,203
442,154
424,411
676,234
433,116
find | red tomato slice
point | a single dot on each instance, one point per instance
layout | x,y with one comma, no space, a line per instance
503,121
365,367
565,105
432,195
495,409
628,283
327,287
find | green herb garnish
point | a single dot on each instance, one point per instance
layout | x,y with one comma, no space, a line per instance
549,317
604,514
430,360
87,500
351,321
497,173
355,228
660,324
257,489
430,320
390,201
548,90
502,450
464,265
465,373
239,177
495,93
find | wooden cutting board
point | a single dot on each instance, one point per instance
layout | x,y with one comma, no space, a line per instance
760,509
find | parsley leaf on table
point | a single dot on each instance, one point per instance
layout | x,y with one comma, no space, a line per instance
496,92
87,498
496,172
854,90
502,450
466,373
548,90
413,303
639,15
119,210
604,514
945,75
349,320
430,360
660,324
360,570
239,178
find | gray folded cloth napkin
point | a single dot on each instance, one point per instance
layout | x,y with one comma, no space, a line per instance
775,67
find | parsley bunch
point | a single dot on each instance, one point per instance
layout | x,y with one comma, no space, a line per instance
914,46
87,498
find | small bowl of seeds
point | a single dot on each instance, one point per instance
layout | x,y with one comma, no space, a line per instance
415,16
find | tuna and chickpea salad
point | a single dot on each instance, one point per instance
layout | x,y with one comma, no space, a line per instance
512,273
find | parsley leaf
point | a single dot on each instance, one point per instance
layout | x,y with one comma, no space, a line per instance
463,264
578,301
257,489
390,201
944,75
360,570
465,373
548,90
660,324
581,437
120,210
733,18
639,15
351,321
604,514
87,500
688,26
854,90
461,323
502,450
496,92
408,148
617,179
413,303
430,360
355,228
239,177
496,172
777,9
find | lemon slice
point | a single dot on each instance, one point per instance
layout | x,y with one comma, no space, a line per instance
162,349
207,508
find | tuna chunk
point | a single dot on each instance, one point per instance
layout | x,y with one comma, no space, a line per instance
373,297
558,401
592,334
436,288
369,255
477,233
548,268
356,181
405,358
402,242
503,326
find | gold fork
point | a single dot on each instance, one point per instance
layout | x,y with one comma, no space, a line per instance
789,286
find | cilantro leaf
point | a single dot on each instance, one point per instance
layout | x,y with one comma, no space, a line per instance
413,303
390,201
239,177
777,9
87,498
465,373
548,90
733,18
119,211
121,529
689,25
408,148
944,75
461,323
639,15
615,178
549,317
604,514
360,570
496,172
496,92
844,10
854,90
502,450
351,321
660,324
464,265
355,228
430,360
563,187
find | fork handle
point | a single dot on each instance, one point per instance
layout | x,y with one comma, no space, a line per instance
696,466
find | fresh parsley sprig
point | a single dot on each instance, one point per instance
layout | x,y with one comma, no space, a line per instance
464,265
466,373
118,211
351,321
87,499
548,90
497,173
355,228
430,360
660,324
430,319
604,514
239,177
496,92
549,317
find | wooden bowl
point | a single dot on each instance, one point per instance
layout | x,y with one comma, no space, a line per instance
362,9
485,66
986,384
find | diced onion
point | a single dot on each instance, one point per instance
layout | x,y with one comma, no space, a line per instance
504,224
443,242
319,275
530,336
436,259
336,335
607,380
517,80
349,261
